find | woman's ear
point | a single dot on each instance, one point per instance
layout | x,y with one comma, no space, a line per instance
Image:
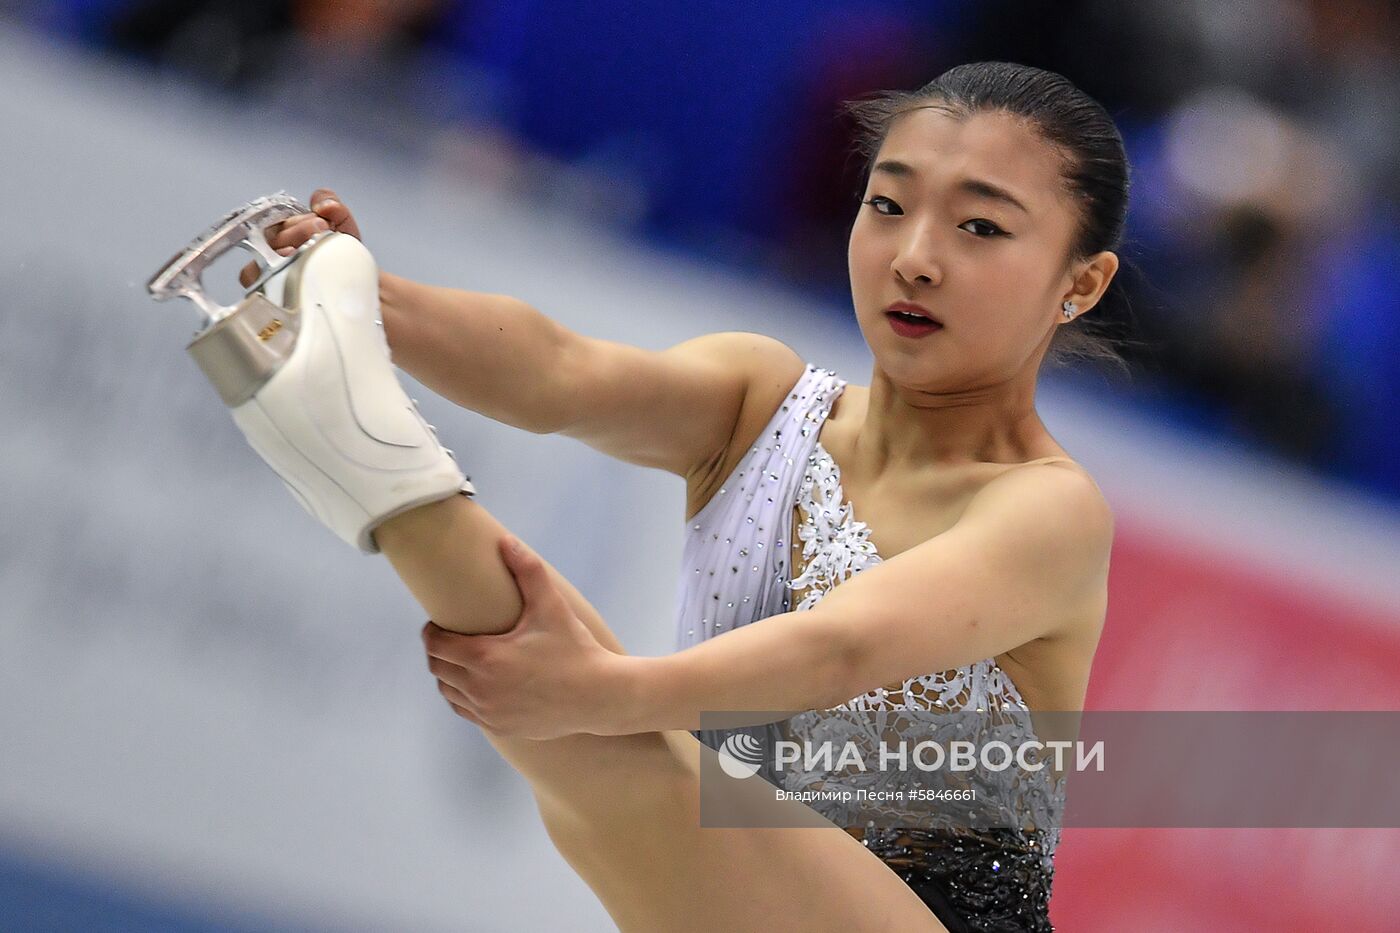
1091,279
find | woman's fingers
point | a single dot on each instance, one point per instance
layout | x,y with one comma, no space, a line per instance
462,704
454,696
327,205
451,679
449,647
284,238
297,230
531,577
446,670
327,213
467,714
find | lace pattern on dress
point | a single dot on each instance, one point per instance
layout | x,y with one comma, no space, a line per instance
834,544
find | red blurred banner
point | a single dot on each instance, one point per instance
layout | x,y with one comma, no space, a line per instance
1192,627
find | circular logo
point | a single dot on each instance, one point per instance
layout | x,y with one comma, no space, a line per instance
741,755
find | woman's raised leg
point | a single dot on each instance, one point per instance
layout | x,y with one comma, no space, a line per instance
305,370
624,810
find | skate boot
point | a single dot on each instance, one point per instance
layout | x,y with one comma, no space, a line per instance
303,365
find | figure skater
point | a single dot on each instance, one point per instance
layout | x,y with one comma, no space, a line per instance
975,578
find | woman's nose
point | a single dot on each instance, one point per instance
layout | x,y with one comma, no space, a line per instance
916,260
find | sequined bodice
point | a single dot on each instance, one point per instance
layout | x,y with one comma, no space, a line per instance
736,571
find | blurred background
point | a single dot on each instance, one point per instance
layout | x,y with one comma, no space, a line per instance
212,717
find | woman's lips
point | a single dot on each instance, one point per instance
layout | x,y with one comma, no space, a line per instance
906,327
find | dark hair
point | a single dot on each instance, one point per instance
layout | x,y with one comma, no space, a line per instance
1095,167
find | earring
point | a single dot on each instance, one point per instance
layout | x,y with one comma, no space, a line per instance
1070,307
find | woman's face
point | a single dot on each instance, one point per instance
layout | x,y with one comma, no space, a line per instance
993,273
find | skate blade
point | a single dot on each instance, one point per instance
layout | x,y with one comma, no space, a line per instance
243,228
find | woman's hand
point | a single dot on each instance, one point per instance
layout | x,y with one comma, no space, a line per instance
547,677
327,213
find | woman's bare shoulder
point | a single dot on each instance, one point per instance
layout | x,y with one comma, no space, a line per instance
771,369
1067,489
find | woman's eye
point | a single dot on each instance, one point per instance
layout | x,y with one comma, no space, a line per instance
995,230
991,229
871,202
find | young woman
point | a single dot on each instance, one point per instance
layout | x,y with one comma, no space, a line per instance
975,578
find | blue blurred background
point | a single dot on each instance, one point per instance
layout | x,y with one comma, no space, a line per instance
1264,135
213,717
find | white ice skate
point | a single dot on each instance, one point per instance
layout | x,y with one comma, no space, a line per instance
303,364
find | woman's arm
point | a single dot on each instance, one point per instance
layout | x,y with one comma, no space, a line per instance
1028,557
494,354
674,409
